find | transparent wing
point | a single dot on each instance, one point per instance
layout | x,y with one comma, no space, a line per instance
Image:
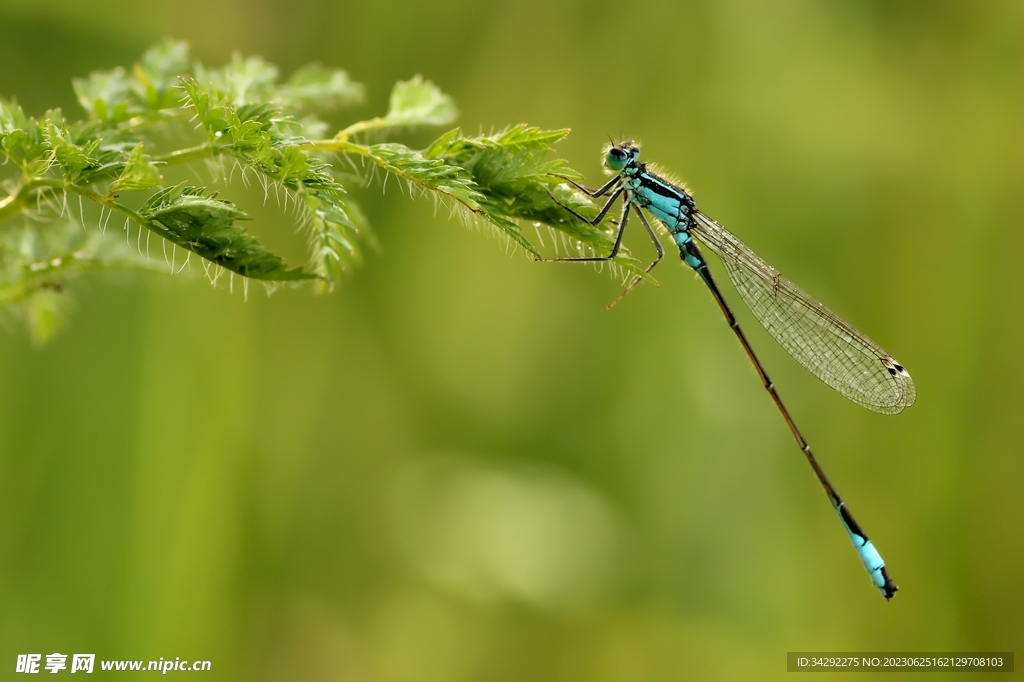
829,347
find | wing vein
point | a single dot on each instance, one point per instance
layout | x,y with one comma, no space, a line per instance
824,343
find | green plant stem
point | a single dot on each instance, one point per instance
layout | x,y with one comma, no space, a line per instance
337,145
51,270
197,153
105,201
361,127
15,203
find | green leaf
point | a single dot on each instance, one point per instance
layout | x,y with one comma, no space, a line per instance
37,266
252,120
435,175
511,172
206,226
414,103
107,95
317,87
72,158
108,148
242,81
250,131
114,96
419,102
516,183
448,180
20,137
157,74
251,135
336,221
209,104
138,174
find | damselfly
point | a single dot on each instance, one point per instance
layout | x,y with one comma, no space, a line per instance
817,338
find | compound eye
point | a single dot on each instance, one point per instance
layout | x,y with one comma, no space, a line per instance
616,158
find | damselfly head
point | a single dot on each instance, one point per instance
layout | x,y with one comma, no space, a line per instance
618,155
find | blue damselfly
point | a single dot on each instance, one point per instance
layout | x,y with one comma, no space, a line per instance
830,348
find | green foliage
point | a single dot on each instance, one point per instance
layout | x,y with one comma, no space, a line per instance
206,226
74,160
242,115
138,173
106,96
419,103
413,104
21,138
36,264
319,88
447,180
517,184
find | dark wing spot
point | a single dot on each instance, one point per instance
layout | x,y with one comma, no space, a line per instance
892,370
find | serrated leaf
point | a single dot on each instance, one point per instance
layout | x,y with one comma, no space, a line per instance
268,127
108,148
114,96
431,174
439,146
317,87
20,136
165,61
527,138
72,158
138,173
107,95
157,73
244,80
446,179
516,183
210,106
12,117
419,102
251,135
336,223
206,226
511,172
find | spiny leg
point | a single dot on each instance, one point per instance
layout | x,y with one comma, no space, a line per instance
600,216
586,190
657,245
618,240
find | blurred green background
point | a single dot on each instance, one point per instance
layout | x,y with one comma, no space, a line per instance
459,466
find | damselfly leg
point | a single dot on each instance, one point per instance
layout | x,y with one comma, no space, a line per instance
627,203
661,254
597,221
